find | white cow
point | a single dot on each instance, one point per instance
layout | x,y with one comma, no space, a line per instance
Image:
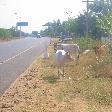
62,57
71,48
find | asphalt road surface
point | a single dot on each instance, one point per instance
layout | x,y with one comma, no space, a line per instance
16,56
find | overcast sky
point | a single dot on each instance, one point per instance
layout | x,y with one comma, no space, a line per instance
37,12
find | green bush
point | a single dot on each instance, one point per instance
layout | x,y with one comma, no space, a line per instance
4,33
86,43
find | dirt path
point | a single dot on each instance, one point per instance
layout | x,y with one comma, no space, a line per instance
31,93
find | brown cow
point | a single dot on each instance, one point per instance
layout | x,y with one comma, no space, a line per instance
100,50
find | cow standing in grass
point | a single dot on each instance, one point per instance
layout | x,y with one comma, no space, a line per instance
71,48
62,57
100,50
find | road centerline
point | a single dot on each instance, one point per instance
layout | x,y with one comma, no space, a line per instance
13,57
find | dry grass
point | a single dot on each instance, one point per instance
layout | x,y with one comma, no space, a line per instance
82,89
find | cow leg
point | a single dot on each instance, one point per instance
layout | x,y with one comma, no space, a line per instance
77,59
63,71
58,71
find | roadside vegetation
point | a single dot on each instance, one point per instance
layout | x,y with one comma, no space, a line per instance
12,33
86,87
4,33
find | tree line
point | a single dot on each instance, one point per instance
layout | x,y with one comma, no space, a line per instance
13,32
99,22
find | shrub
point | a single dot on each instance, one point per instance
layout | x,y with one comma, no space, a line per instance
87,42
84,43
4,33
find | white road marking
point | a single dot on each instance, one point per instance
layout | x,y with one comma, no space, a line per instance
4,61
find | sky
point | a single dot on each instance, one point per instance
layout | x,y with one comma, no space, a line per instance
37,12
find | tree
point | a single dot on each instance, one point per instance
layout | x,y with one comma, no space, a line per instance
53,28
105,23
100,8
59,28
13,31
4,33
97,12
80,26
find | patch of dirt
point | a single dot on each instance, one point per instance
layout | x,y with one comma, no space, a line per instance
30,93
9,39
2,40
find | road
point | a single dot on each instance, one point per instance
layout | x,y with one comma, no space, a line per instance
16,56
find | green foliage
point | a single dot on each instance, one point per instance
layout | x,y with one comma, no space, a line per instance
11,33
4,33
106,23
70,25
100,7
80,28
84,42
53,29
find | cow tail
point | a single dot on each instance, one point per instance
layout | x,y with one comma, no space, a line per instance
78,54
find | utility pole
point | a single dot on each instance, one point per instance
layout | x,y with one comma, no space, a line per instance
20,28
87,18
